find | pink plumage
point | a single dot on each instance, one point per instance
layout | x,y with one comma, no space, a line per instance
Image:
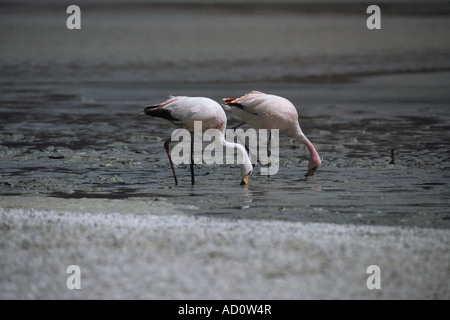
266,111
183,111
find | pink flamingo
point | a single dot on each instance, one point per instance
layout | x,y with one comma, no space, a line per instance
266,111
182,111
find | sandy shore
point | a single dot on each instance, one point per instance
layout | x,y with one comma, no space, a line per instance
142,255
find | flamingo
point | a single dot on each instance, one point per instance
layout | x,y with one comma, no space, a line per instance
182,111
267,111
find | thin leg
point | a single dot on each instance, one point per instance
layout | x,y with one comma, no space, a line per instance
238,126
192,160
269,149
166,146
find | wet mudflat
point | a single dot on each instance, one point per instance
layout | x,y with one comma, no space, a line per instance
385,157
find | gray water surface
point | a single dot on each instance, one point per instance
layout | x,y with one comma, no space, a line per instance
90,142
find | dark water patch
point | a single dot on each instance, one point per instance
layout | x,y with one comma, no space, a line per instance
62,97
15,116
90,195
429,185
119,193
246,7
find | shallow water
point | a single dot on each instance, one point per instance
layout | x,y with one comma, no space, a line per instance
90,142
70,104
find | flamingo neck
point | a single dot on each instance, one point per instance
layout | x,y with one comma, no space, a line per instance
243,158
314,158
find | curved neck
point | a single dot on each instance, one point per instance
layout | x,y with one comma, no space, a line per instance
242,159
313,154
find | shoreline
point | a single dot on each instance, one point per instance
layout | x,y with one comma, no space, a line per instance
144,256
289,80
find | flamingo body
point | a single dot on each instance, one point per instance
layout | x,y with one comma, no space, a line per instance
264,111
267,111
182,112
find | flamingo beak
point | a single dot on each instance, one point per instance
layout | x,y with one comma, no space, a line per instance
311,172
245,179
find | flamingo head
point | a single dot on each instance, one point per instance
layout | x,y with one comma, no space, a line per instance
314,163
245,179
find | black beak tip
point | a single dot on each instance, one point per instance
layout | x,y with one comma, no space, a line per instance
311,172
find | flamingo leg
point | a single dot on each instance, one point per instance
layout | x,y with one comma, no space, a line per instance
166,146
269,149
238,126
192,160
